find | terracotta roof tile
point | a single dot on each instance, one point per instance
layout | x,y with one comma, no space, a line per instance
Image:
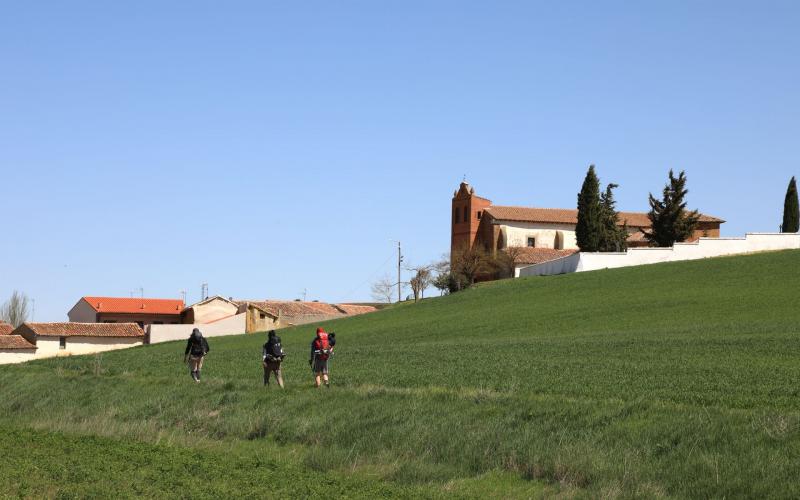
530,255
5,328
569,216
352,309
135,305
83,329
15,342
299,308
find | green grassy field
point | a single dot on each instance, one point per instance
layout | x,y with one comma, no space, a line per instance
671,380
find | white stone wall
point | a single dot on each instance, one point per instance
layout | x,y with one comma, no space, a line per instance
8,356
48,347
516,234
234,325
701,249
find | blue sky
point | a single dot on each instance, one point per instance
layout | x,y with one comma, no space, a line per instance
271,147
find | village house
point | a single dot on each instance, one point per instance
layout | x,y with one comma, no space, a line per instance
141,311
295,312
14,348
539,234
64,339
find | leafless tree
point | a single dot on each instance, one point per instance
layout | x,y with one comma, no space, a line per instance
16,309
422,279
506,261
467,264
383,290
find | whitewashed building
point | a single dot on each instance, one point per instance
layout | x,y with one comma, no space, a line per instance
65,339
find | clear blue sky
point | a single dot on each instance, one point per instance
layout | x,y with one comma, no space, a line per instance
268,147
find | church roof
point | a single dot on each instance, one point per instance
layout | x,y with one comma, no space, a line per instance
531,255
569,216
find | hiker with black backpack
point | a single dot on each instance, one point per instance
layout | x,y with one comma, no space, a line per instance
271,357
196,350
321,350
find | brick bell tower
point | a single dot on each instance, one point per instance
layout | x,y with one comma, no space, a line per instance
465,217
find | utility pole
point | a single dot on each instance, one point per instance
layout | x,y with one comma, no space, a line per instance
399,263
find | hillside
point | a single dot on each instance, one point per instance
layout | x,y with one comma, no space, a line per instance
673,380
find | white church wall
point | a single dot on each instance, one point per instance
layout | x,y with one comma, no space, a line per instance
701,249
516,234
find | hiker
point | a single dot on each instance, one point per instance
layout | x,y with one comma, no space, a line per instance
196,349
272,356
318,360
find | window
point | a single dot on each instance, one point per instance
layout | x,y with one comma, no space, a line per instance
531,242
62,342
262,315
455,215
466,214
479,214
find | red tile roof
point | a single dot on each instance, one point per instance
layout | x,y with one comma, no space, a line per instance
531,255
15,342
569,216
299,308
83,329
5,328
353,309
135,305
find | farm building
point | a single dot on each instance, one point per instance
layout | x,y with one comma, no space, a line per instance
295,312
14,348
209,310
64,339
141,311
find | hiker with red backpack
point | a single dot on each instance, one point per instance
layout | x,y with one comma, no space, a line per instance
321,351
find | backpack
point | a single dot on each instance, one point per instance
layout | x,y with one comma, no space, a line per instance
322,345
199,347
275,349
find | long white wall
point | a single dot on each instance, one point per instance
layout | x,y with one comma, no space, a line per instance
8,356
48,347
234,325
701,249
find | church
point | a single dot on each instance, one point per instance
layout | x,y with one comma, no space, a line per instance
543,234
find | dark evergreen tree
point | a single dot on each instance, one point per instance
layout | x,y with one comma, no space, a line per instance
791,210
589,227
670,221
613,237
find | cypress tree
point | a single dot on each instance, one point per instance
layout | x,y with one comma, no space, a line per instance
670,221
613,237
791,210
589,226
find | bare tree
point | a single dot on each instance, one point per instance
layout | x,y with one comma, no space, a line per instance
16,309
383,290
506,261
422,279
467,264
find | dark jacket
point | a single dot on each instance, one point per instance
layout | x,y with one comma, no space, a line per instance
197,345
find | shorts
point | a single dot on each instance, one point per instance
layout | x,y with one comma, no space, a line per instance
320,365
272,366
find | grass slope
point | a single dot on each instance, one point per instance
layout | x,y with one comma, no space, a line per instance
667,380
